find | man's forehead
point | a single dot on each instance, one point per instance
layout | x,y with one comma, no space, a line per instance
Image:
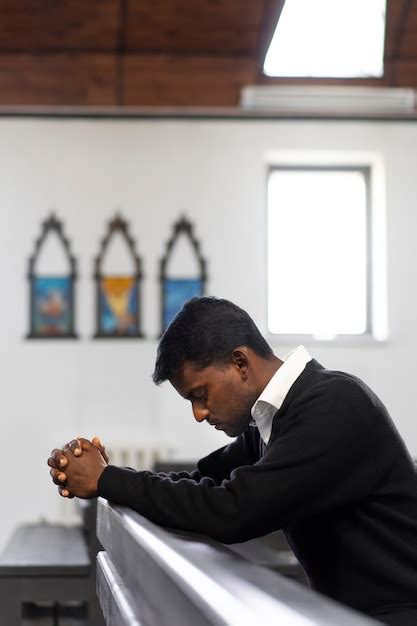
190,376
187,374
186,379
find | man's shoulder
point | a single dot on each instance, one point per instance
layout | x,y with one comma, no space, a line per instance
329,397
317,380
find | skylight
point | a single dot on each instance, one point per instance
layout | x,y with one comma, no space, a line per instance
328,38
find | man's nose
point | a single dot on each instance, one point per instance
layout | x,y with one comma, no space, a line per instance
200,414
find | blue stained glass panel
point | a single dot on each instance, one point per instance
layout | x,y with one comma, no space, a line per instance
177,291
52,311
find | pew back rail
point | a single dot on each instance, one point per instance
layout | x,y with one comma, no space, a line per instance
150,575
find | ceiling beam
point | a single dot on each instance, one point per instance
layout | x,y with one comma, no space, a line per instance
57,79
271,15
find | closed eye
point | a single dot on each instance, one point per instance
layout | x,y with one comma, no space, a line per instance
198,396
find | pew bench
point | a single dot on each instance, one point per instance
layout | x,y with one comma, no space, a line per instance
44,563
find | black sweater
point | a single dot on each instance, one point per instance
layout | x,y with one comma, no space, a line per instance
335,476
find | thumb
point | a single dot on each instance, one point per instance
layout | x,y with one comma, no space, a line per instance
96,441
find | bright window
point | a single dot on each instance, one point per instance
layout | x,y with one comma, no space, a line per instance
328,38
319,251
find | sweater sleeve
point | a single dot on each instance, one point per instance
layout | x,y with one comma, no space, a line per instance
244,450
321,460
219,464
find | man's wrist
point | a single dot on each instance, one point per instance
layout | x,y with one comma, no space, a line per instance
101,482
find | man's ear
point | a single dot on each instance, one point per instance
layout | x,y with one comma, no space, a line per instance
241,360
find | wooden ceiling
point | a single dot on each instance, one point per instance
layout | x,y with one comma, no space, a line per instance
158,53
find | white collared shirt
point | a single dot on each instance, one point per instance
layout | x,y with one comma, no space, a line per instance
272,397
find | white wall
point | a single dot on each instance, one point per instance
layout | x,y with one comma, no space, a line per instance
153,171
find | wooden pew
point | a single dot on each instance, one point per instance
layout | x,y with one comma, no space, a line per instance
47,564
151,576
271,551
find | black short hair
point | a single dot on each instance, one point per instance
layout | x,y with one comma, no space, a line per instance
206,330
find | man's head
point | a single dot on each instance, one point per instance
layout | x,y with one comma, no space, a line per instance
215,356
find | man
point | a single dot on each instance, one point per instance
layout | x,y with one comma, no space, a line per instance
316,454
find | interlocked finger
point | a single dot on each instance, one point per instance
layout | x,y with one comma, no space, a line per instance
64,492
57,459
58,477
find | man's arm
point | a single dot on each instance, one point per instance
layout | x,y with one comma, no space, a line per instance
321,461
218,465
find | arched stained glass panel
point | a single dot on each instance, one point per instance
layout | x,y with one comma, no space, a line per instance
118,284
183,271
52,274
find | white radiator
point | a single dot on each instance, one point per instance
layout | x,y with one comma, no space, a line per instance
138,457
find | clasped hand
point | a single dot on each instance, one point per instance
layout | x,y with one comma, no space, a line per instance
77,467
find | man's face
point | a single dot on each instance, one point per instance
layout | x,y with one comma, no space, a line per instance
219,394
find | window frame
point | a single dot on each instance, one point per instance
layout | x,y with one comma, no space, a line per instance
365,166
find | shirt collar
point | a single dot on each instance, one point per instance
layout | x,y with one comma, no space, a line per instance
272,397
